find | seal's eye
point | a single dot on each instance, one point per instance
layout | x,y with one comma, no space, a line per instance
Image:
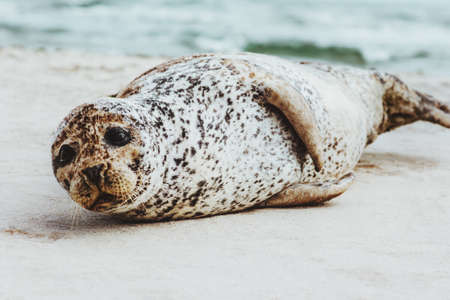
117,136
66,155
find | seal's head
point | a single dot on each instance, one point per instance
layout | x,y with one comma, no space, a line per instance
97,156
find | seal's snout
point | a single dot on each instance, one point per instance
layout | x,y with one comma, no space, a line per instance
93,173
101,186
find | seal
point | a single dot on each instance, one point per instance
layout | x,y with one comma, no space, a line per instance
211,134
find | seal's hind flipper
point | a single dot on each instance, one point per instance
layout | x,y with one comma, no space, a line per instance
292,104
403,105
434,111
310,194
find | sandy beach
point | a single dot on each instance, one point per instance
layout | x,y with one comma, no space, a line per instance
387,237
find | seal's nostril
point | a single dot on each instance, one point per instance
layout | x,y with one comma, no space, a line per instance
93,173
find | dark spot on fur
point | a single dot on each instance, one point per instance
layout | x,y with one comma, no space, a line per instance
201,183
193,151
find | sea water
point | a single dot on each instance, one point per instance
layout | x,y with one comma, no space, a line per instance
405,35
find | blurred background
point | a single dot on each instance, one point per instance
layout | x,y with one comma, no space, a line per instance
402,35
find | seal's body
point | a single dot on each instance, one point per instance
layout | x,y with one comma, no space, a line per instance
211,134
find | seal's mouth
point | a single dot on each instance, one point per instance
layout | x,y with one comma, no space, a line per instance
103,187
102,201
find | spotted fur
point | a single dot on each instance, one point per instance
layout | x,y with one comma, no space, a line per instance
206,141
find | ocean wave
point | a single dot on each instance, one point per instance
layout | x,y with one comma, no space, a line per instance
24,29
80,4
309,50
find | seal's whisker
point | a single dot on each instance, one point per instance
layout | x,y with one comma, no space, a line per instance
75,217
78,216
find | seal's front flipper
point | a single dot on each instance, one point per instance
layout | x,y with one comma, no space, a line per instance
308,194
292,104
281,94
